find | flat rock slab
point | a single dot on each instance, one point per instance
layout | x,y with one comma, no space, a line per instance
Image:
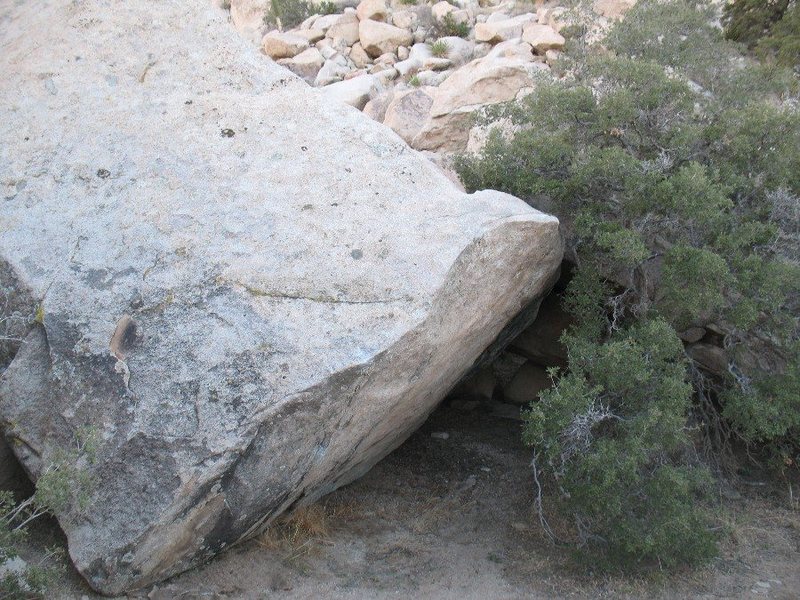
248,293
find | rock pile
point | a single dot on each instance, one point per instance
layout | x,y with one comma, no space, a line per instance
401,63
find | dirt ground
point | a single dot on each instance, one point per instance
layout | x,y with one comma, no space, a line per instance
450,517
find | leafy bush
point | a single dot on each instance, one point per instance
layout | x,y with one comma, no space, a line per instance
611,437
782,45
447,26
673,162
747,21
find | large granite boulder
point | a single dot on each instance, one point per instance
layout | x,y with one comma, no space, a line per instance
248,294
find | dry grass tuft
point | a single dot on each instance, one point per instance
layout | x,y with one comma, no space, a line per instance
298,533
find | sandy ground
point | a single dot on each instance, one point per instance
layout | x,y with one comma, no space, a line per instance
452,519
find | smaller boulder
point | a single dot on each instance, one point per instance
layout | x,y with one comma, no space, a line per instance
283,45
542,37
359,57
306,64
379,38
377,10
503,30
356,92
375,109
344,30
334,69
312,35
407,112
526,386
459,50
442,9
405,19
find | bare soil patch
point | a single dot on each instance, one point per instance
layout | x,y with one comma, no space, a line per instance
452,518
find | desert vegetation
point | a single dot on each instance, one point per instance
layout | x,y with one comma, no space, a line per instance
672,155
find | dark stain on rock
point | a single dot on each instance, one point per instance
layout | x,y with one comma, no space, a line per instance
124,338
228,133
103,173
356,254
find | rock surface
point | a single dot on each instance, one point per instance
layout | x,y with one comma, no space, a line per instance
248,17
498,77
249,292
283,45
379,38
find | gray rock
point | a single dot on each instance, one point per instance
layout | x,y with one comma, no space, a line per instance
249,292
530,381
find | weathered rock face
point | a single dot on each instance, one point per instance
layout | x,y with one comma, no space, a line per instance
250,293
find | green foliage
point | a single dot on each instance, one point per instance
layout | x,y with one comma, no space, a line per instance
610,438
414,81
62,487
673,163
447,26
747,21
768,408
439,49
693,284
782,45
290,13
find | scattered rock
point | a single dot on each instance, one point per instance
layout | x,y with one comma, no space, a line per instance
542,37
345,29
407,112
440,435
494,31
283,45
498,77
527,384
378,38
377,10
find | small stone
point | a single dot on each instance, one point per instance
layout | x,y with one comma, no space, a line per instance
440,435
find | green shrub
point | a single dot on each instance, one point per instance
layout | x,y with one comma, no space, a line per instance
290,13
610,437
439,49
673,163
447,26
